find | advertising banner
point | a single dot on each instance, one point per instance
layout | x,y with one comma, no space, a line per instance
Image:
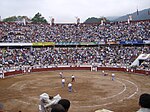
44,44
111,42
101,43
131,42
67,43
146,41
16,44
87,43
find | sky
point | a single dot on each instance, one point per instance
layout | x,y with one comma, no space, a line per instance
66,11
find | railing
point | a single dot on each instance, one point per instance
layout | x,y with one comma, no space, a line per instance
17,72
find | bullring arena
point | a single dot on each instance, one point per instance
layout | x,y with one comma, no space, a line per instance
32,56
91,90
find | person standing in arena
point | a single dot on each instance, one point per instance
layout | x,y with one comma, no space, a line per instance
72,78
70,87
61,74
63,82
113,77
104,73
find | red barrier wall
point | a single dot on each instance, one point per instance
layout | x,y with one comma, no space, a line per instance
76,68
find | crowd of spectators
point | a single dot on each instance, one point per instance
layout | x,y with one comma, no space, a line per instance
117,56
105,56
29,33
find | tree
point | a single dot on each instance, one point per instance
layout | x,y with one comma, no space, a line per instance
16,18
96,20
10,19
38,19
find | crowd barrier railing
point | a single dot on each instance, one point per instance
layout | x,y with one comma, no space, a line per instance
21,72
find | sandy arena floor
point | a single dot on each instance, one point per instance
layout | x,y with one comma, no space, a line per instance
91,91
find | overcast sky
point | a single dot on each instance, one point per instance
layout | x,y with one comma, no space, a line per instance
67,10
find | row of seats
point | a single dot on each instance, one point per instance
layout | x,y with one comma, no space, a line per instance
29,33
105,56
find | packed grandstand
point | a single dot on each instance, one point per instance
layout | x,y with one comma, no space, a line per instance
113,44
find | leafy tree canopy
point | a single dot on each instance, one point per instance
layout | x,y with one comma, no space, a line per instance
10,19
96,20
15,18
38,19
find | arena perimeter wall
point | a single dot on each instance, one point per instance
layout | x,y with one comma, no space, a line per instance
13,73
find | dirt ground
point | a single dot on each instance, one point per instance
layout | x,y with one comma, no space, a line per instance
91,91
